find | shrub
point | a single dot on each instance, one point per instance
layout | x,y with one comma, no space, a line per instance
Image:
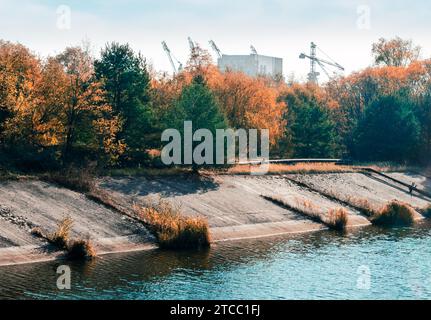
172,229
394,213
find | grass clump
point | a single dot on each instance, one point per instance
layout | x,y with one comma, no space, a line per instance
60,237
279,168
336,219
81,249
172,229
362,205
395,213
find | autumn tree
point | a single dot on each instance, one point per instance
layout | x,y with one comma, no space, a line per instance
20,136
126,81
20,72
395,52
86,116
200,63
249,103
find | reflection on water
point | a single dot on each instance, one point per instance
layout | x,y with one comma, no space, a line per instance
322,265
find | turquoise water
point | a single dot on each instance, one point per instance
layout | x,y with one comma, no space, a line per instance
368,263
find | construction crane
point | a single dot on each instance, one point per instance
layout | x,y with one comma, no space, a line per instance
171,59
215,48
191,44
314,60
253,50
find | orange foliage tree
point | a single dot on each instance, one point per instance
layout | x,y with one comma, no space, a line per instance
86,116
19,74
395,52
250,103
55,104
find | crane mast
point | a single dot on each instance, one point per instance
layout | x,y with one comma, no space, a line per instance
314,61
313,75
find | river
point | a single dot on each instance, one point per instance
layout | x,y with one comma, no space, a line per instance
366,263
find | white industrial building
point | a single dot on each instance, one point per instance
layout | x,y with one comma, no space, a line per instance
252,65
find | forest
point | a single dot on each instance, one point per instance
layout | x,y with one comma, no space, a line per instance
74,109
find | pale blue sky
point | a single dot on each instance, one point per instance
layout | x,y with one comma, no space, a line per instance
281,28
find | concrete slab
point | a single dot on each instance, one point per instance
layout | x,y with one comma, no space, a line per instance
376,189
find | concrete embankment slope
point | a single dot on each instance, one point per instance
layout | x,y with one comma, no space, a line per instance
421,179
374,188
233,205
32,203
235,209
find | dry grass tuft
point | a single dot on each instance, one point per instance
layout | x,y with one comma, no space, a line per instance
362,205
395,213
308,208
172,229
336,219
295,168
81,249
60,237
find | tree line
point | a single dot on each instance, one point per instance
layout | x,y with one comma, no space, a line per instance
73,108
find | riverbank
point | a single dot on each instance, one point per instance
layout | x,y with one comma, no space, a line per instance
29,203
316,265
235,208
232,204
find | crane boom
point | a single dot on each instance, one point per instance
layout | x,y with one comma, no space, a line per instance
302,56
171,59
215,48
313,75
191,43
253,50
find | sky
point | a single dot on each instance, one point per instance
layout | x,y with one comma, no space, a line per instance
343,29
